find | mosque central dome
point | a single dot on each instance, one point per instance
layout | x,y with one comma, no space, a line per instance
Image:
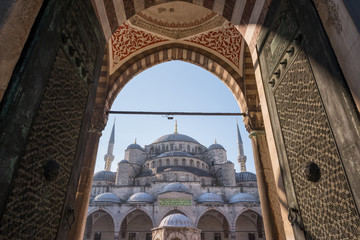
175,137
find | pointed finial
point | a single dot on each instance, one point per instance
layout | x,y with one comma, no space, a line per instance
135,141
176,131
215,141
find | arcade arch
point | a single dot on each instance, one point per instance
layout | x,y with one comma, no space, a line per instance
136,225
214,225
99,225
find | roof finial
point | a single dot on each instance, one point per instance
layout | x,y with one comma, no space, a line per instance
135,141
215,141
176,131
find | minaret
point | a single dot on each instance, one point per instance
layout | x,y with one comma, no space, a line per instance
109,157
241,157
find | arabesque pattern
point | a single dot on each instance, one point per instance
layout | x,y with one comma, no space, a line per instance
226,41
127,40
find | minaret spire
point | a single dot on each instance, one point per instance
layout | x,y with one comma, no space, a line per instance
176,131
241,157
109,157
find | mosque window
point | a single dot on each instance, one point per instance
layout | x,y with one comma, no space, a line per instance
191,162
180,147
183,162
171,147
251,236
132,236
153,164
160,163
203,166
198,164
148,236
167,162
217,236
97,236
188,148
202,236
176,162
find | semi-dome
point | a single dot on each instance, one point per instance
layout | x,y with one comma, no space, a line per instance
104,176
141,197
175,187
175,137
134,146
175,154
243,197
107,197
210,197
176,220
124,161
216,146
245,176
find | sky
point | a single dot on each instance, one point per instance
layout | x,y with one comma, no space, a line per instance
175,86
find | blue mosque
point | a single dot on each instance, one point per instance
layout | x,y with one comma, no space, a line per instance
174,188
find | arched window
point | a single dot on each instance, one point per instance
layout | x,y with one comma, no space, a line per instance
203,166
188,148
148,165
191,162
167,162
153,164
198,164
160,163
171,147
183,162
176,162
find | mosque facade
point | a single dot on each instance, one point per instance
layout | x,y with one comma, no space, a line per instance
174,189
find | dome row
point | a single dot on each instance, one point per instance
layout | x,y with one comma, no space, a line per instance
142,197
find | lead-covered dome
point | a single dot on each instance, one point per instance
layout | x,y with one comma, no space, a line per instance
209,197
216,146
105,176
245,176
134,146
107,198
141,197
175,137
175,154
243,197
175,187
176,220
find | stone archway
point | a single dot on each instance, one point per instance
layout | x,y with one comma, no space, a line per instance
60,53
214,225
99,225
136,225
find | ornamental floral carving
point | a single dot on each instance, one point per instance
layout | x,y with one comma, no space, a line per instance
226,41
127,40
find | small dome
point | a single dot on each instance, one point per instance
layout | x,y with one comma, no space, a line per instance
243,197
124,161
134,146
245,176
209,197
175,154
107,197
228,162
176,220
175,187
216,146
175,137
104,176
141,197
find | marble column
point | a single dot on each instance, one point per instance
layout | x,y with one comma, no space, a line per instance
270,205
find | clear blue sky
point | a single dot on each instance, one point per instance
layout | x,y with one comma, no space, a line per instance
175,86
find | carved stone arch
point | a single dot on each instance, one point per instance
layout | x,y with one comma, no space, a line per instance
233,224
139,209
176,235
104,209
168,52
212,209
